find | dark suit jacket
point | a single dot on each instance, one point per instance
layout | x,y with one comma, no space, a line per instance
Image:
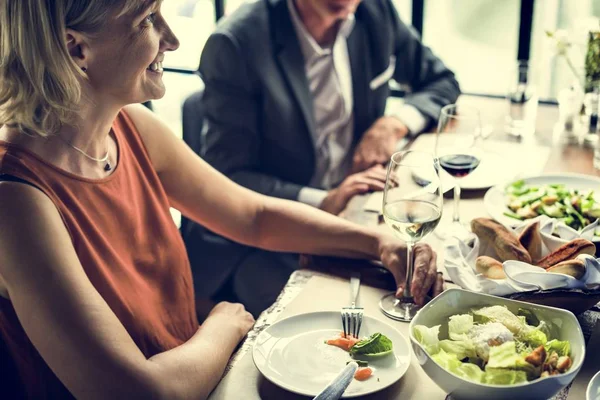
258,109
257,101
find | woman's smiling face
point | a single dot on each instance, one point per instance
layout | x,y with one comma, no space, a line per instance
124,58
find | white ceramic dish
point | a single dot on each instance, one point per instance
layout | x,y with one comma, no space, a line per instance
593,389
456,301
292,354
495,199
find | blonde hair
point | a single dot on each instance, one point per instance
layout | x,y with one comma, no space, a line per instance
39,86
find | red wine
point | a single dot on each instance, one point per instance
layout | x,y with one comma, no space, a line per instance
459,165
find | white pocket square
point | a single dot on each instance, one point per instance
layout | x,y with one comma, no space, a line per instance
385,75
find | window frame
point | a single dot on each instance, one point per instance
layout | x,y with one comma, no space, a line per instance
417,20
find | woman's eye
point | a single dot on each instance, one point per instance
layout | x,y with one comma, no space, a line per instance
149,20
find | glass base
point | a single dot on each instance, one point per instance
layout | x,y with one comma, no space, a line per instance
454,229
398,309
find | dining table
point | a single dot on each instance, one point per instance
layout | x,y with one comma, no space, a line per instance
322,283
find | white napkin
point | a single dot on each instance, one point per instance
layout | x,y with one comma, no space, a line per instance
521,277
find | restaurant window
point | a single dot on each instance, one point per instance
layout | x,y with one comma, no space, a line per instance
192,21
232,5
404,8
477,39
576,18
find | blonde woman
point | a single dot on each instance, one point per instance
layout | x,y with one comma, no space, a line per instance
96,296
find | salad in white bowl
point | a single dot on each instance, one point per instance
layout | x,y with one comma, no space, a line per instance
477,346
492,345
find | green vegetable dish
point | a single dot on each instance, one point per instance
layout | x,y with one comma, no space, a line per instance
577,208
492,345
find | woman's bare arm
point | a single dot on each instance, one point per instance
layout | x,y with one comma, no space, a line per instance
76,332
208,197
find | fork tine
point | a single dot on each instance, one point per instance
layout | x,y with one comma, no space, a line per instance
360,318
344,323
349,322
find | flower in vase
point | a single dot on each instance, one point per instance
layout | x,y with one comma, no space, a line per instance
562,44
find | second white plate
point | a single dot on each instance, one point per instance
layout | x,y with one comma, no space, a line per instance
495,198
293,355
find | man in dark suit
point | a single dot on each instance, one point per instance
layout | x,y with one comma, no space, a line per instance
294,104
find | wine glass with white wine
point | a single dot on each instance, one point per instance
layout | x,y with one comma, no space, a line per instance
412,208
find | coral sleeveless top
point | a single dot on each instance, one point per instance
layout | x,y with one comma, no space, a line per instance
128,245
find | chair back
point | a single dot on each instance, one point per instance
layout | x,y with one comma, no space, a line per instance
192,116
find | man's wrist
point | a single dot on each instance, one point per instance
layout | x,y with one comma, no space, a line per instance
312,196
399,127
412,118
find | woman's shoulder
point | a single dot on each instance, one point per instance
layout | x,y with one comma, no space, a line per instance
153,131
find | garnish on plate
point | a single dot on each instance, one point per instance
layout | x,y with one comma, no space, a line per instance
374,346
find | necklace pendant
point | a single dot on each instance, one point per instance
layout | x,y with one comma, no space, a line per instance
107,167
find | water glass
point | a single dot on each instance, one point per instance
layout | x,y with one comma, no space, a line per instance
522,101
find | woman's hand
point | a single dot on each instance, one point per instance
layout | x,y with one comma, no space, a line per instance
233,314
393,256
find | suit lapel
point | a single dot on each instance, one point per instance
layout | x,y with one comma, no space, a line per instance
361,71
289,56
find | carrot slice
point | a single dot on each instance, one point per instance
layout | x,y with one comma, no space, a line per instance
343,342
363,373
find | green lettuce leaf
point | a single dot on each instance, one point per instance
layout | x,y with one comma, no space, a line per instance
530,317
505,357
428,337
503,376
561,347
459,326
461,348
534,337
446,360
375,345
502,315
451,363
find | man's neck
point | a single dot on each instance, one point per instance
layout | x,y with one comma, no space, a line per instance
322,29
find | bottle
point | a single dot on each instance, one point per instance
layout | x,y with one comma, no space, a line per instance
522,99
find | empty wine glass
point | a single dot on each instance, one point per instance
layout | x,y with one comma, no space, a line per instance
412,208
457,148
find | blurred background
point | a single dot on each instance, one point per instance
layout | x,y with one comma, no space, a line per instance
480,40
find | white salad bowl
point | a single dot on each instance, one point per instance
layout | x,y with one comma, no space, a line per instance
459,301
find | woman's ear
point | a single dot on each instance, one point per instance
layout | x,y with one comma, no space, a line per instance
77,47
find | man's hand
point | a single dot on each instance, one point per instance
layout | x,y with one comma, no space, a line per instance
425,276
378,143
373,179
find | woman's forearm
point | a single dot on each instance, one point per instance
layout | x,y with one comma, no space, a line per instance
295,227
192,370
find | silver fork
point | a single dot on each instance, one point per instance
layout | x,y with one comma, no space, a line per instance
352,316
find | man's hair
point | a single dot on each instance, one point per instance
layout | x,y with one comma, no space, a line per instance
39,89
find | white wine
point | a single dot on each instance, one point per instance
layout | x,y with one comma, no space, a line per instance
411,220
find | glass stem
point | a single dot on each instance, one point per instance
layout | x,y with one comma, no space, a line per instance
409,270
456,214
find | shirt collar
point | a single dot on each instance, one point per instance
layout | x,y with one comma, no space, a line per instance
308,45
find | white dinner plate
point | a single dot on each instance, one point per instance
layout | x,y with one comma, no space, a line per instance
292,354
593,389
495,199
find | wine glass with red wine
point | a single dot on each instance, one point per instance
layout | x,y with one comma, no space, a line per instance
458,154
